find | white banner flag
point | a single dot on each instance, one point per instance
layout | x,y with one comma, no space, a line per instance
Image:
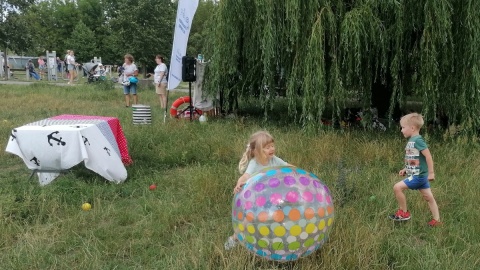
185,12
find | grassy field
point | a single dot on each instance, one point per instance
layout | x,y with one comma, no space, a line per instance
185,221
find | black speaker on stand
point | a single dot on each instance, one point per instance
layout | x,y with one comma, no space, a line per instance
188,75
188,69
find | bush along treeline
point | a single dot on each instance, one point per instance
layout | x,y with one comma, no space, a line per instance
322,54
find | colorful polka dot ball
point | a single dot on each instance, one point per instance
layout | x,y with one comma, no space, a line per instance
283,214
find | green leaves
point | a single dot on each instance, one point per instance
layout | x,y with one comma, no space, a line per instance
103,28
142,28
323,54
83,42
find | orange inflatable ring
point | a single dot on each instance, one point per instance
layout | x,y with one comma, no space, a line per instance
177,103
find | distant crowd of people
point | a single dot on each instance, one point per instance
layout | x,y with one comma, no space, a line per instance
127,74
69,63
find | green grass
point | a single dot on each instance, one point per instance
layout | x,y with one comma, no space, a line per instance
185,221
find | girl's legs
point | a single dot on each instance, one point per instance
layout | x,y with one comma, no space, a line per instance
135,99
231,242
398,189
432,204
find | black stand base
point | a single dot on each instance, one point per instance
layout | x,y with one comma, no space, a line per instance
190,107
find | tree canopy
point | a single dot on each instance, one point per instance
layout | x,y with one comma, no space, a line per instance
102,28
13,30
321,53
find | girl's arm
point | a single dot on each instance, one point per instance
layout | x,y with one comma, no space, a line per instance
429,159
241,181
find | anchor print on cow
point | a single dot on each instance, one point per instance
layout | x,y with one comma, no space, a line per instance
85,140
36,161
13,135
59,141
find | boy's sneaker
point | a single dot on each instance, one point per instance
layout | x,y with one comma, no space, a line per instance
230,243
434,223
400,215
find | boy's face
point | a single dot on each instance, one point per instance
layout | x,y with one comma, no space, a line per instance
407,129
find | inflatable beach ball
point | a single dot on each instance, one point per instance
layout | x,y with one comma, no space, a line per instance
283,214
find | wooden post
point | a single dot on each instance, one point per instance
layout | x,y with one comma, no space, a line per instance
5,61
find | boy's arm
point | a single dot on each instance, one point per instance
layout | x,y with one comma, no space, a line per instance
429,159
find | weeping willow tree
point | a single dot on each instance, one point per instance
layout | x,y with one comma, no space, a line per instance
324,52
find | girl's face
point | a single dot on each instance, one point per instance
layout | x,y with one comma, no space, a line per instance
158,61
269,150
127,61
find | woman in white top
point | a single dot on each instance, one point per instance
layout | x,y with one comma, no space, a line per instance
72,66
160,80
130,70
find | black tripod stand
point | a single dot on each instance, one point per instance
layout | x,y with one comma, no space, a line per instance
190,106
188,75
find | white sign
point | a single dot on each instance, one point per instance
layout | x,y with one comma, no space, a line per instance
185,12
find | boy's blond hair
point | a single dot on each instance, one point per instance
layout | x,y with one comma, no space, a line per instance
413,119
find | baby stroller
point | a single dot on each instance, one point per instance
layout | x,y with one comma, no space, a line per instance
119,79
94,72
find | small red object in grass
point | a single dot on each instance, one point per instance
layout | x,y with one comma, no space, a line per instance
153,187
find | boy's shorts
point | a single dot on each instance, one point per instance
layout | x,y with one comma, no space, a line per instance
417,182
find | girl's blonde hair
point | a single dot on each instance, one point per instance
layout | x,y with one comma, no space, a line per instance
255,145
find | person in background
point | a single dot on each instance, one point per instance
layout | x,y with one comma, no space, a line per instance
65,63
59,64
41,66
30,68
72,66
6,68
160,80
130,72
